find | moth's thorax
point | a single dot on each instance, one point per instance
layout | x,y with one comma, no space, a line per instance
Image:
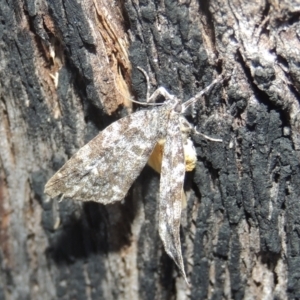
170,108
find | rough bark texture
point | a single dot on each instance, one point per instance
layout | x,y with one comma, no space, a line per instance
65,69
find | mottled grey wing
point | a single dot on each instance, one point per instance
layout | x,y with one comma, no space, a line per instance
104,169
171,187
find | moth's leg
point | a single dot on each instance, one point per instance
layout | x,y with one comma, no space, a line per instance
186,128
161,91
186,104
207,137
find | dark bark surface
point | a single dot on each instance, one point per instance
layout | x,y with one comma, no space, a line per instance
65,74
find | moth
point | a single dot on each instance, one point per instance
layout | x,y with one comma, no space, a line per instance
105,168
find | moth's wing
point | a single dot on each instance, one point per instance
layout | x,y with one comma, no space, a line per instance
171,188
104,169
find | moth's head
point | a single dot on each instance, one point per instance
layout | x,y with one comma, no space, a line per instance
176,104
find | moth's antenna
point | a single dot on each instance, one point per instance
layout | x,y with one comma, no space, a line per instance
161,91
61,198
145,103
134,101
148,83
186,104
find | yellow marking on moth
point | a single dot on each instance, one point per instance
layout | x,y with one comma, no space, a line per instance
190,157
155,158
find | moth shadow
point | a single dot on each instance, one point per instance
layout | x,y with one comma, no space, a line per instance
97,231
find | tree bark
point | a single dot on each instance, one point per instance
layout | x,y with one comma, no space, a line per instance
68,70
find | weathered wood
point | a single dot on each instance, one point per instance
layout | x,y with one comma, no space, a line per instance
66,74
